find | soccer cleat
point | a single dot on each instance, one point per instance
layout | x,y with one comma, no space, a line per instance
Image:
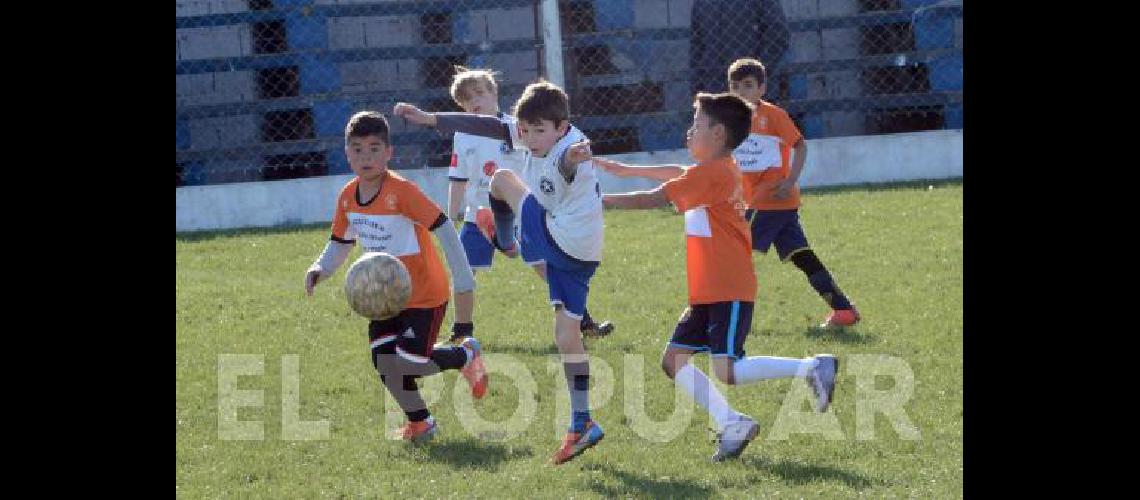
734,438
577,442
841,317
595,330
821,379
474,371
417,432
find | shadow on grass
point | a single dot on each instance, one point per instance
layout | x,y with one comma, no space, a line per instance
801,473
471,453
887,186
843,335
530,350
644,486
195,236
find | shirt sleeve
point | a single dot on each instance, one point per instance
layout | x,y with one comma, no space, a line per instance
473,124
692,189
341,230
787,129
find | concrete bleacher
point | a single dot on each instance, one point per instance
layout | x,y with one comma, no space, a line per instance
263,88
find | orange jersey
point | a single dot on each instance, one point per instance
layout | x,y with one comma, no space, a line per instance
764,155
718,243
396,221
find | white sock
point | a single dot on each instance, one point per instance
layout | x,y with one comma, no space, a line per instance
705,393
756,368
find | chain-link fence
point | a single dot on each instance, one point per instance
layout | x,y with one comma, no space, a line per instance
264,87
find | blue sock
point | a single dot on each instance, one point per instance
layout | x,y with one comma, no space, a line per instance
578,381
504,223
578,420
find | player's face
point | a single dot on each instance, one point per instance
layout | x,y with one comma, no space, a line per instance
368,156
703,139
747,89
480,100
539,137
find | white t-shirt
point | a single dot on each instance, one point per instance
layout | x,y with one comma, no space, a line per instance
474,159
573,210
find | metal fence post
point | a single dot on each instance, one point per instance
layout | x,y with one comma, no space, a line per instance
552,43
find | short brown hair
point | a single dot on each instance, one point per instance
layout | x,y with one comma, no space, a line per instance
746,67
543,100
366,123
464,77
729,110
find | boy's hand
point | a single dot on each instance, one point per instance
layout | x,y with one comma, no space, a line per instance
311,278
783,189
414,114
611,166
578,153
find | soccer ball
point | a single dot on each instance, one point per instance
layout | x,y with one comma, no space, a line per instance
377,286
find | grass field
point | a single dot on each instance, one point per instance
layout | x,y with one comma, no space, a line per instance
896,251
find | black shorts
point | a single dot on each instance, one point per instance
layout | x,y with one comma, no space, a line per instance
719,328
410,334
779,228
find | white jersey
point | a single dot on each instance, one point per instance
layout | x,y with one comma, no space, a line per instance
573,210
474,159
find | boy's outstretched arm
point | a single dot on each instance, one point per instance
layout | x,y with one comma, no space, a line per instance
660,173
334,254
462,279
449,123
654,198
571,157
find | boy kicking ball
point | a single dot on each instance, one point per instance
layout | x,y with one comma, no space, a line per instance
558,202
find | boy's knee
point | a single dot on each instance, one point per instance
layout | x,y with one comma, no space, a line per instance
723,371
672,361
501,178
667,366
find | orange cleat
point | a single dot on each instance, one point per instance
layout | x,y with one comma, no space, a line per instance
841,317
475,372
416,432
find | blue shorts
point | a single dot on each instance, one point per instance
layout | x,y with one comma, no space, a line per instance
719,328
478,248
779,227
567,278
530,255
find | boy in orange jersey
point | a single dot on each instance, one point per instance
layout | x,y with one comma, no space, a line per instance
721,281
770,189
389,213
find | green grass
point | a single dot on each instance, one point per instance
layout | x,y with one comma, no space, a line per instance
896,251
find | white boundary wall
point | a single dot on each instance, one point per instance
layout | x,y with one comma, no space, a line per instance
830,162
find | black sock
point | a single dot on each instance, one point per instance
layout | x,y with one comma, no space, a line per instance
504,222
587,321
404,390
820,279
449,358
460,330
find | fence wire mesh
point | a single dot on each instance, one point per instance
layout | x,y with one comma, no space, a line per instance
264,87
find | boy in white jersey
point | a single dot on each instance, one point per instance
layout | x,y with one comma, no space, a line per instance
474,161
559,205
